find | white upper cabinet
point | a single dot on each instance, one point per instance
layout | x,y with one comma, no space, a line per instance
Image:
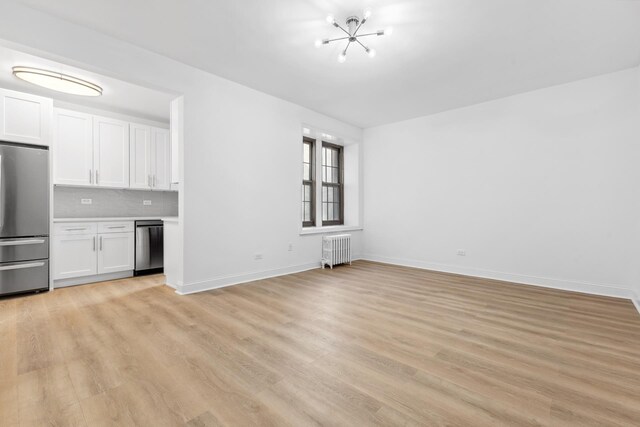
150,157
72,148
161,159
97,151
140,156
111,152
25,118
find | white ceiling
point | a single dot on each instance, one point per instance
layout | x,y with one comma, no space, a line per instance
443,54
117,96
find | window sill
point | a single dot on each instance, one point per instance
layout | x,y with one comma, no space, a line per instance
329,229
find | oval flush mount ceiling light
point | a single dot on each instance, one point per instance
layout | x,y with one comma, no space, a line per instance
57,81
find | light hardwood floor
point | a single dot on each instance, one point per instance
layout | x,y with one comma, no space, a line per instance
369,344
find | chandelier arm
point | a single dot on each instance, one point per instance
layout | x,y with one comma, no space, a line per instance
359,25
335,24
344,52
363,46
370,34
338,39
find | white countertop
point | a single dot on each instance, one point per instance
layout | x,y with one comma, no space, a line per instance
125,218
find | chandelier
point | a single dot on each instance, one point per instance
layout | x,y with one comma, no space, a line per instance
352,35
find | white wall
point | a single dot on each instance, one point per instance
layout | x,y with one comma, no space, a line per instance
241,169
538,188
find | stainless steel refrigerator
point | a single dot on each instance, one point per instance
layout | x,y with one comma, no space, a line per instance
24,218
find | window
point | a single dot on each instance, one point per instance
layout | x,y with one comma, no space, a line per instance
308,183
332,184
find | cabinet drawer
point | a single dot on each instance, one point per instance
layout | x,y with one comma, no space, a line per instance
75,228
115,227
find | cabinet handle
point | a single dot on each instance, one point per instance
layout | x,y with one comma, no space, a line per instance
149,180
113,226
94,243
90,176
75,229
100,242
97,177
154,181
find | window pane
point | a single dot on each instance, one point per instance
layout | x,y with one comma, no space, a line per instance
330,195
307,193
307,153
306,174
336,211
335,157
324,211
307,211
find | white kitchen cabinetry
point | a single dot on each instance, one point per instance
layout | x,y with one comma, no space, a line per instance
111,152
75,256
161,159
25,118
140,156
90,150
90,252
72,148
115,252
150,157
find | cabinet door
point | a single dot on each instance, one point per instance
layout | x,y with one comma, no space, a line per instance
140,156
25,118
161,164
74,256
111,152
72,148
115,252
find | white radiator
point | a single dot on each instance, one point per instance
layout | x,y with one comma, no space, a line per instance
336,250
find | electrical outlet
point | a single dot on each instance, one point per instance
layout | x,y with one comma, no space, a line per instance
462,252
257,257
146,202
290,247
86,201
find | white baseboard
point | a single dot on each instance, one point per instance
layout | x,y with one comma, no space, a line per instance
635,298
545,282
222,282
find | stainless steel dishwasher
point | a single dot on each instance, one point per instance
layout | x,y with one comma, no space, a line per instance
149,247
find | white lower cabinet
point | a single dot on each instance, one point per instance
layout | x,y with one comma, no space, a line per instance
75,256
115,252
92,249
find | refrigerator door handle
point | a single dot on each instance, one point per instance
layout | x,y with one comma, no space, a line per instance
21,266
21,242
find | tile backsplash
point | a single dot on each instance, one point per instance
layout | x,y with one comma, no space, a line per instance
67,203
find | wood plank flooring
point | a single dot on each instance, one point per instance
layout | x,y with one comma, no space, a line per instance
369,344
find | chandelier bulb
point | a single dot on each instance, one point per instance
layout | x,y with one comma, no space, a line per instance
367,14
330,19
371,53
342,57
